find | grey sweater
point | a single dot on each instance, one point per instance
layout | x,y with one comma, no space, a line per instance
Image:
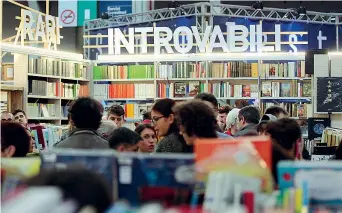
172,143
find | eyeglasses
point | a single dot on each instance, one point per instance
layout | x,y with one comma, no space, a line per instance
156,119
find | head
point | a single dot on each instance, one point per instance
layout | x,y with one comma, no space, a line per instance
106,128
277,111
262,126
285,134
208,98
163,118
148,134
147,116
7,116
232,120
86,113
124,140
15,140
20,117
116,113
248,115
196,120
72,182
222,116
241,104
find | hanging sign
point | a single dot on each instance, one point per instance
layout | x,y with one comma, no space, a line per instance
67,13
238,38
44,28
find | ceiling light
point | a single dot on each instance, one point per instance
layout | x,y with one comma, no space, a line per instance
258,5
301,11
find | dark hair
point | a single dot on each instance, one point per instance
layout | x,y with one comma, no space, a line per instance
197,118
164,107
241,103
225,109
87,188
285,132
147,115
142,127
262,126
14,134
251,114
19,110
86,113
123,136
208,97
116,110
276,110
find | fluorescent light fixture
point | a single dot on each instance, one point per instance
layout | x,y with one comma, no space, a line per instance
200,57
6,47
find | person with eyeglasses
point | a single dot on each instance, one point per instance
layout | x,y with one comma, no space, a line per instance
7,116
166,126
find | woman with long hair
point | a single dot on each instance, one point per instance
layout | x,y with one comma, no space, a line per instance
166,127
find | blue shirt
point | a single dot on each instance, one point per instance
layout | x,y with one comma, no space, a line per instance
222,135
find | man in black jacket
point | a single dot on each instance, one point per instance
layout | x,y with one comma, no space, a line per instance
86,115
248,120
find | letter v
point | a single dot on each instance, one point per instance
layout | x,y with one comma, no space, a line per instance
202,43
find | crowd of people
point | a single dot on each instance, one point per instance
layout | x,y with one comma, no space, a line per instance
169,127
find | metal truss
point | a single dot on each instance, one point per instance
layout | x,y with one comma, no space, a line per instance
275,14
204,13
146,17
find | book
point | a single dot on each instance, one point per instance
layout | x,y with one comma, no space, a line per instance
180,89
266,89
285,90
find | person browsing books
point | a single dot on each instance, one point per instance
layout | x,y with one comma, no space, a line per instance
149,136
124,140
210,98
116,114
86,115
196,120
248,120
166,126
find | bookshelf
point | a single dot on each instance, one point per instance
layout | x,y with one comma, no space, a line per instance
275,78
49,85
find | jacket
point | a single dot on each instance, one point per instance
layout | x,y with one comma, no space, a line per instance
174,143
249,130
83,139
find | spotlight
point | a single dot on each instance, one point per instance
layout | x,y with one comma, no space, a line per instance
301,11
104,15
173,5
258,5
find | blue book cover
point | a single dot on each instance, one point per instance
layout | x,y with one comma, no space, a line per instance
102,161
140,171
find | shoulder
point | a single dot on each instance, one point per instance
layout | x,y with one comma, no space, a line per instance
223,135
170,143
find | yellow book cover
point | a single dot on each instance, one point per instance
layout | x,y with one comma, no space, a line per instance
255,73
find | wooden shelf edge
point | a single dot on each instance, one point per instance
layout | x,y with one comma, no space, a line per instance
11,88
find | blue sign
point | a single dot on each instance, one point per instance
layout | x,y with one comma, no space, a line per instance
115,8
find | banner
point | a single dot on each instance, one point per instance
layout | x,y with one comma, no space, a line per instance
115,7
87,10
67,13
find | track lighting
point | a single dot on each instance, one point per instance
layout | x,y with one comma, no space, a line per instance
258,5
173,5
301,11
104,15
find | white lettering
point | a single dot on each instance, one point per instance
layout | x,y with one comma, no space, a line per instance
252,38
120,37
201,43
320,39
188,34
233,38
159,42
293,39
40,32
27,26
222,43
144,31
277,38
110,41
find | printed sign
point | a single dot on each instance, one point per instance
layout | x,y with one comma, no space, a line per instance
67,13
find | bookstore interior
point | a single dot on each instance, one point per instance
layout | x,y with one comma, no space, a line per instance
132,56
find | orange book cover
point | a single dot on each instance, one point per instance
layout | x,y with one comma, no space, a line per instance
248,156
